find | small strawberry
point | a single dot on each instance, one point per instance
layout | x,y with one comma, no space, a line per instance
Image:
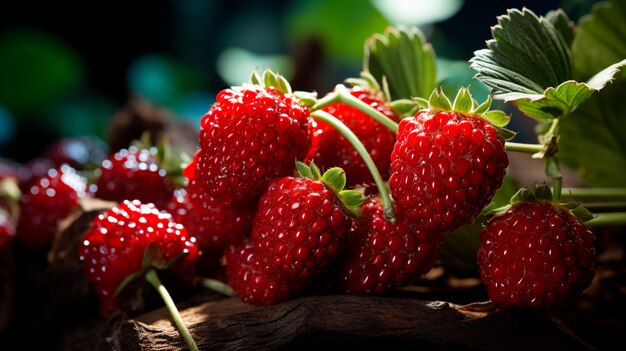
329,148
382,256
250,136
215,224
126,241
537,253
134,173
298,232
47,202
448,162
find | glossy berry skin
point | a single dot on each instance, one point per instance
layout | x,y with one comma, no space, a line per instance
445,168
215,224
249,137
254,278
47,202
134,174
382,256
113,247
535,254
298,233
330,149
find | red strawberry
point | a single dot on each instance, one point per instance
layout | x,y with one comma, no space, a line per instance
134,174
298,233
447,163
536,254
215,224
250,136
382,255
114,248
51,199
329,148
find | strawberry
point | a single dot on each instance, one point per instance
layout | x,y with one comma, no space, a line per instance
47,202
329,148
298,233
384,255
536,254
250,136
215,224
447,162
134,173
126,241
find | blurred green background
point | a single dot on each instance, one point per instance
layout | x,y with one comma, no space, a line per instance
67,66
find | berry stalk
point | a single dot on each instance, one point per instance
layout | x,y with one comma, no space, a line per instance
349,135
608,219
341,94
153,279
217,286
525,148
597,194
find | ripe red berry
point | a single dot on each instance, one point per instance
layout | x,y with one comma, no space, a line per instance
134,174
382,256
330,149
47,202
536,254
215,224
446,167
298,233
115,244
250,136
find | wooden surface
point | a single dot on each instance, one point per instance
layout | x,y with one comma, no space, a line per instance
341,321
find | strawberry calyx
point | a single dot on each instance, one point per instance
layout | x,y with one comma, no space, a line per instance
543,193
335,179
170,158
271,79
465,105
368,82
152,259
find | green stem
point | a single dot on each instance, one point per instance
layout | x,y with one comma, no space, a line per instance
341,94
217,286
557,184
153,279
356,143
608,219
553,168
526,148
598,194
597,207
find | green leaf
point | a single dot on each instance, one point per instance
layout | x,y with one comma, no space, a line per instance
563,25
559,101
600,39
593,138
402,56
526,55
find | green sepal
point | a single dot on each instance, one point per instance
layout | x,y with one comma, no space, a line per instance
269,79
172,159
152,258
497,118
543,192
405,107
484,107
255,78
307,98
335,178
523,195
439,102
463,101
421,102
582,214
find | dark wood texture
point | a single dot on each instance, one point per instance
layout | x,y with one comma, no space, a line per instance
339,322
